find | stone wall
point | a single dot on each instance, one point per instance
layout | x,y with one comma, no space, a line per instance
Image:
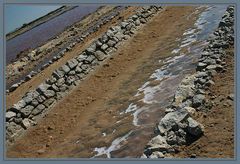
38,53
35,103
177,127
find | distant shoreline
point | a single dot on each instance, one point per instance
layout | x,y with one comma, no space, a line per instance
28,26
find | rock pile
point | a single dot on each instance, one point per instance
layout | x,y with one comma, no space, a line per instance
34,103
177,127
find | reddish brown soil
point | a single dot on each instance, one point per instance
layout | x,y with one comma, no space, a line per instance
75,125
218,139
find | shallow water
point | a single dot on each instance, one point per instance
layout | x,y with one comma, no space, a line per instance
40,34
157,96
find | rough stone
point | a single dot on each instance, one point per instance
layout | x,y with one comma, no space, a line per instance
10,115
60,82
49,102
72,63
100,55
65,68
58,74
38,109
16,107
26,123
170,120
13,128
104,47
111,43
26,111
194,128
198,100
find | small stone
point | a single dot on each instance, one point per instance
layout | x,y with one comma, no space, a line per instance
231,97
13,87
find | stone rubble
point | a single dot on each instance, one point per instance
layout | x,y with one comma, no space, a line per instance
177,127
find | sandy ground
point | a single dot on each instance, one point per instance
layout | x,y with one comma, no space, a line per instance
75,125
218,139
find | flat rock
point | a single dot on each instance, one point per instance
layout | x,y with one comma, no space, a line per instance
104,47
72,63
26,111
65,68
100,55
10,115
38,109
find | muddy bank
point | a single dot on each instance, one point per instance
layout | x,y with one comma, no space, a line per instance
37,22
179,127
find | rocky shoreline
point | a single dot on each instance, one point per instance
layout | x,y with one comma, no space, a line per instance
36,103
178,127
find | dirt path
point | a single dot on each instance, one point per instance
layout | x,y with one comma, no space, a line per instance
75,125
218,139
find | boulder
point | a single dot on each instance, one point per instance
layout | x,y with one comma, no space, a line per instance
171,138
72,63
26,123
41,99
60,82
159,140
100,55
171,120
194,128
49,102
201,66
13,128
43,88
30,96
104,38
10,115
26,111
104,47
78,69
58,74
65,68
111,43
137,22
16,107
198,100
38,109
